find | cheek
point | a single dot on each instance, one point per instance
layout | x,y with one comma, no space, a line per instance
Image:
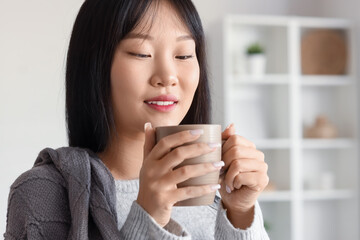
125,76
191,78
125,84
119,74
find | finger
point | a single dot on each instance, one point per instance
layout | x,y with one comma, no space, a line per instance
243,166
253,180
236,140
184,193
179,154
239,152
166,144
190,171
229,131
149,139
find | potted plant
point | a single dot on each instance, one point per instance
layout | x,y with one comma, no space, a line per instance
256,59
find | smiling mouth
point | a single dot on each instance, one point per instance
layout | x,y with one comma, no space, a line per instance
161,103
162,106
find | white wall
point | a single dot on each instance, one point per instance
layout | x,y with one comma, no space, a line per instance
33,40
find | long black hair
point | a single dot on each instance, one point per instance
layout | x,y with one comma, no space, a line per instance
99,27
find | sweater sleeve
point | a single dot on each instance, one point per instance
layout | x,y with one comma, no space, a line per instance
140,225
225,230
31,212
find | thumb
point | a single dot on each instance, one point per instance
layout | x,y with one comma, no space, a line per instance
149,138
229,131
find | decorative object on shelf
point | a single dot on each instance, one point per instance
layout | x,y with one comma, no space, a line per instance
256,60
322,128
323,52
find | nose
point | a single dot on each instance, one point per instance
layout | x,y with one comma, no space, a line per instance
164,74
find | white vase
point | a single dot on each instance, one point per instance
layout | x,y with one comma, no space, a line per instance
256,65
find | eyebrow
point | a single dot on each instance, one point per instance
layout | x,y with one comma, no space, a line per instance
139,35
184,37
148,37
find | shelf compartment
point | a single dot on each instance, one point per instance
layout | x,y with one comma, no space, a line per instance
335,59
328,170
273,38
260,112
278,161
334,103
330,220
277,219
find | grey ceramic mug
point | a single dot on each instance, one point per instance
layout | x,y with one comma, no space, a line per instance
212,134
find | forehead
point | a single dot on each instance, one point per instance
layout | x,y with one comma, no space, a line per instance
161,17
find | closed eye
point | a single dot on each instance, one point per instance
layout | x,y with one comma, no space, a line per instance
184,57
140,55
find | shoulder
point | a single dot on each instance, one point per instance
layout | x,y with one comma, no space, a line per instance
74,164
53,171
36,187
42,199
44,174
38,198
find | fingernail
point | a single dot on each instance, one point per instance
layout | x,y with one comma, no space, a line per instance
197,132
214,145
218,164
215,187
229,125
228,190
147,125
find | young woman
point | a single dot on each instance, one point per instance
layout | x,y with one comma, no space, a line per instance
133,64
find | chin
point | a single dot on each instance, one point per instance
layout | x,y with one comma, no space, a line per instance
161,124
165,123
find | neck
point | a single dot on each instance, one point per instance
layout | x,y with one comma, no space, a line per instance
124,155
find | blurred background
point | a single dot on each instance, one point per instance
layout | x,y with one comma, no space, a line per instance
284,71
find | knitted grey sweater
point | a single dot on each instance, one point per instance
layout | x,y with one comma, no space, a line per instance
70,194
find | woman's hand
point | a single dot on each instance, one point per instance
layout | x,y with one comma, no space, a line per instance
244,178
158,190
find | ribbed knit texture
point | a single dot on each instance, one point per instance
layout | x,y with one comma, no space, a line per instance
200,222
70,194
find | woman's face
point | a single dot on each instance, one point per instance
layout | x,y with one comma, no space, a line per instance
155,72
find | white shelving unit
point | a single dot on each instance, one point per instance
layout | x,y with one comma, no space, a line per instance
273,111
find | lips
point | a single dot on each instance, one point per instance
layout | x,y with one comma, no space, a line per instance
163,103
